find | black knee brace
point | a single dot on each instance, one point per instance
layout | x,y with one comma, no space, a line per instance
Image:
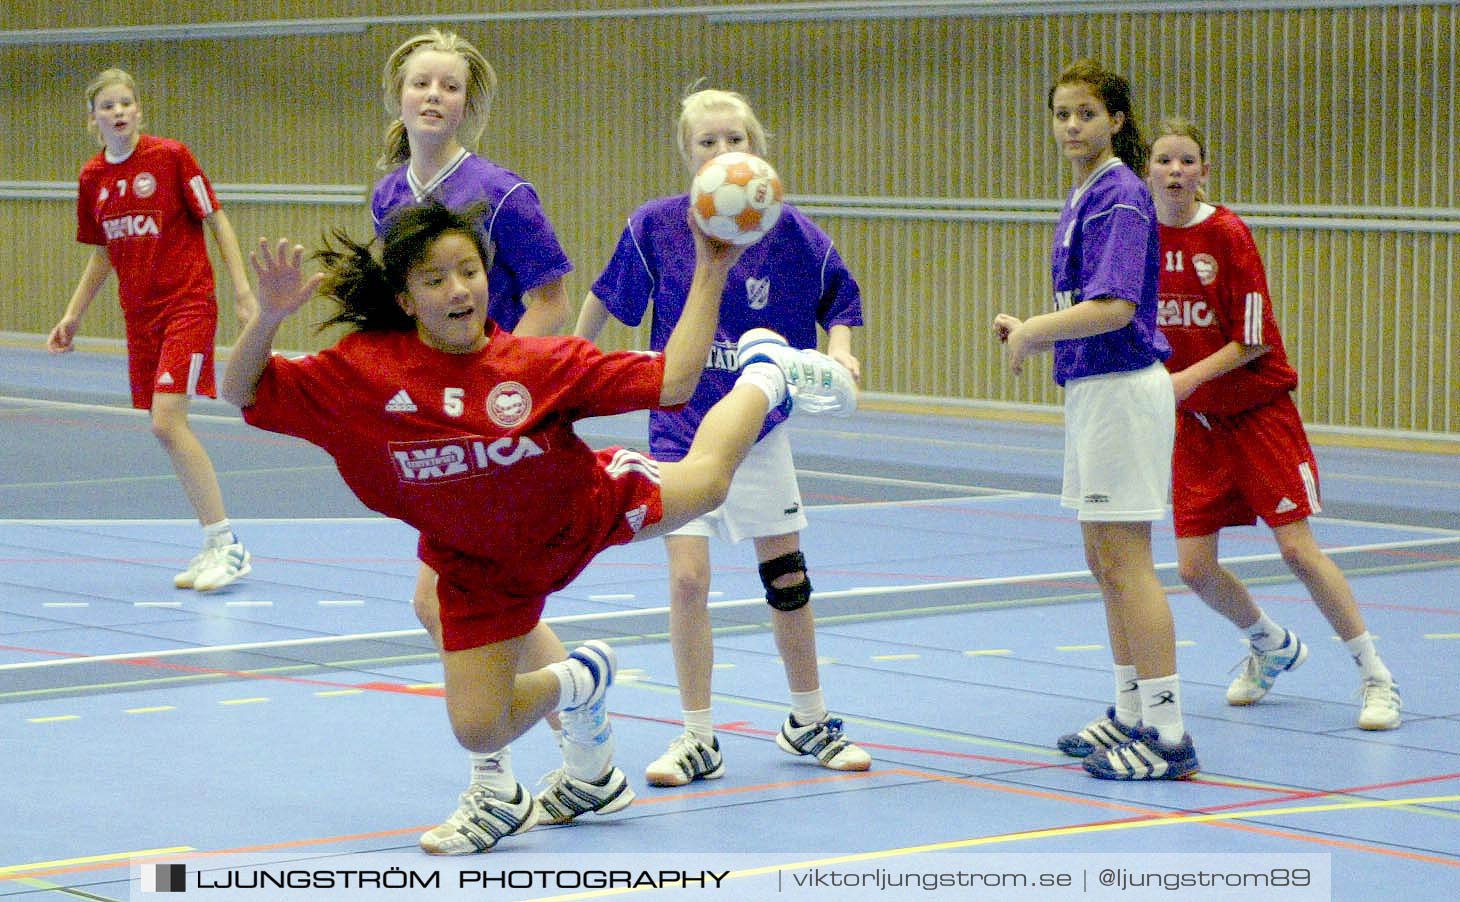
787,598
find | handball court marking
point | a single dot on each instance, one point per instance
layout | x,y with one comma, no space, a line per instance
1426,550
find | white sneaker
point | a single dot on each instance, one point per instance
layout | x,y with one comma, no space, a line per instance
1261,668
221,565
814,382
1380,710
185,579
687,760
480,821
566,796
824,740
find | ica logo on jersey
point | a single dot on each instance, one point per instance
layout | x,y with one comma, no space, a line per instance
445,460
132,226
1185,311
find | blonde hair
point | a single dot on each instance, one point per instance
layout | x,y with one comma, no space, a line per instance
698,104
481,87
101,82
1182,128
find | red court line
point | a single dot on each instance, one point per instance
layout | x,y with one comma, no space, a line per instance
1152,816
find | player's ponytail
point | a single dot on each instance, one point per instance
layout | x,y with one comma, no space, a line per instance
1114,92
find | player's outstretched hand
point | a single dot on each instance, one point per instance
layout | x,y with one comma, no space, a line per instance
283,287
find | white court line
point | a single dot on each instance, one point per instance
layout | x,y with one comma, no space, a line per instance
864,592
108,408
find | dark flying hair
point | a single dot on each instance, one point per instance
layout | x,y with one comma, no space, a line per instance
366,286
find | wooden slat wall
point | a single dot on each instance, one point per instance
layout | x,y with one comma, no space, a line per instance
1305,108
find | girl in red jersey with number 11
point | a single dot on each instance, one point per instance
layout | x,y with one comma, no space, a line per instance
1241,451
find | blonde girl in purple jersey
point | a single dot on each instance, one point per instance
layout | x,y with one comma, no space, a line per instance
1119,415
439,88
792,281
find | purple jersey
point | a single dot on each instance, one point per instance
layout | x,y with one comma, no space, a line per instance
1107,246
790,280
527,253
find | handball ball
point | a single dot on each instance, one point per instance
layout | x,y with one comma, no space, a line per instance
736,197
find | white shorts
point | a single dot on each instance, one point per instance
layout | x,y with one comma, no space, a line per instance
1119,431
764,499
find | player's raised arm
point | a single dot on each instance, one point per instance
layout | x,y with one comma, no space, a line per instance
689,344
282,290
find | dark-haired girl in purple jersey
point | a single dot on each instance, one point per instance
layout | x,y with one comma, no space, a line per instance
1119,415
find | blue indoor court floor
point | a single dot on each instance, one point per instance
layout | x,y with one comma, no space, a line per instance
298,711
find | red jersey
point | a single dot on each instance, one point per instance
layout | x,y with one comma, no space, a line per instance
1213,290
477,451
148,211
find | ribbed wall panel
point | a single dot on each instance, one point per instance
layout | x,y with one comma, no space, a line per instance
1304,109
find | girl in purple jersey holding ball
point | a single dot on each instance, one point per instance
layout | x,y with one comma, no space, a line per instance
1119,415
790,281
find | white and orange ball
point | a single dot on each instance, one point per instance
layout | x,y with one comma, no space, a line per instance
736,197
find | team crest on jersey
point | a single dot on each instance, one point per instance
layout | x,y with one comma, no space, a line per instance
508,404
144,184
758,293
1206,268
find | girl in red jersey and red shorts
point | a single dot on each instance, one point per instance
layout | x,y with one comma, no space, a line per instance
143,202
436,417
1241,451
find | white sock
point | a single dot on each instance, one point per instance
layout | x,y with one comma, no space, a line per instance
575,683
218,534
808,707
590,757
1367,657
1161,707
700,724
1264,634
493,770
768,378
1127,696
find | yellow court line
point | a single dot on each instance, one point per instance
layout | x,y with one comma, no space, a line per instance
897,657
1077,647
1042,834
152,710
1442,635
54,718
244,701
977,652
10,869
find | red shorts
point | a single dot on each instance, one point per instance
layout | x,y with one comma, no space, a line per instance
490,600
172,354
1231,470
